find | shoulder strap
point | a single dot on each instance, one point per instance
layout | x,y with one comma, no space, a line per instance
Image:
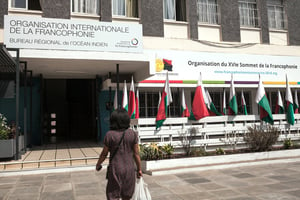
114,153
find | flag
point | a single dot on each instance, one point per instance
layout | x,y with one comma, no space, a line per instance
289,104
211,106
224,103
165,101
168,64
116,100
199,108
262,101
296,104
233,107
279,109
184,109
244,107
125,98
131,106
137,106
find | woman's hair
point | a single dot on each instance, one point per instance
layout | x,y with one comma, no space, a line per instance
119,120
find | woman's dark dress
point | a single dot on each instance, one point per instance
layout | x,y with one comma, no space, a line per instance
121,175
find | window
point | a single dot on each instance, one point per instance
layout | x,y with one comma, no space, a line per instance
128,8
149,102
207,11
248,13
85,6
26,4
175,10
276,14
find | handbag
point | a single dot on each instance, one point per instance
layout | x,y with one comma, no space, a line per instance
114,153
141,191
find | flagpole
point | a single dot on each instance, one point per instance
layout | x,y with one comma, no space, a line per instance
118,86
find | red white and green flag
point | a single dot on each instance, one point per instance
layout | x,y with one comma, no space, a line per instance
279,109
199,108
262,101
224,103
166,100
244,107
184,109
115,100
296,103
233,107
211,106
289,104
131,106
125,97
137,106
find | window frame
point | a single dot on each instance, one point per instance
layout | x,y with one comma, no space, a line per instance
26,8
179,15
97,13
127,9
283,16
208,16
248,17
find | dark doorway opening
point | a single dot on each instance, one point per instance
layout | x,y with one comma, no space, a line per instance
69,110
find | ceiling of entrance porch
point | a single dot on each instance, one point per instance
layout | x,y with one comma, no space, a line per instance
84,65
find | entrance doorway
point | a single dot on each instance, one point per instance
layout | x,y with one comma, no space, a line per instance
69,110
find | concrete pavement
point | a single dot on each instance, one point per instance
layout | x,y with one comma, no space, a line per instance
259,182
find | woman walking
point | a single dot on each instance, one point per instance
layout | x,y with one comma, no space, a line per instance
124,162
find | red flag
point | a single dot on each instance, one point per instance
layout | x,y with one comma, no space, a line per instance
184,109
199,109
131,106
137,108
165,101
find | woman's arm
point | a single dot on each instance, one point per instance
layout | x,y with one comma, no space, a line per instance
102,157
137,159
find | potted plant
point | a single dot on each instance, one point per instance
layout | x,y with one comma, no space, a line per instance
6,139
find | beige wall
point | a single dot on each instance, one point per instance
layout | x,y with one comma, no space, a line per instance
250,36
279,38
1,36
209,33
176,30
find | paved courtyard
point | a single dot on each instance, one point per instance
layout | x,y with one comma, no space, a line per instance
260,182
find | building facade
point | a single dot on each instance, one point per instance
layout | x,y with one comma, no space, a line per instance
73,84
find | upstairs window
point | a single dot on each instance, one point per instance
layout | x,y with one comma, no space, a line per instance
248,13
276,14
207,11
175,10
126,8
26,4
85,6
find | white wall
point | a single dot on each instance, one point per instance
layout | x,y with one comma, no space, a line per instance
278,38
176,30
209,33
1,36
250,36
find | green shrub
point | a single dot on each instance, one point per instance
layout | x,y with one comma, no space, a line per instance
198,152
151,151
220,151
261,138
287,143
5,130
168,150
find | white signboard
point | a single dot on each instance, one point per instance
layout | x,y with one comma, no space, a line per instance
44,33
219,66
